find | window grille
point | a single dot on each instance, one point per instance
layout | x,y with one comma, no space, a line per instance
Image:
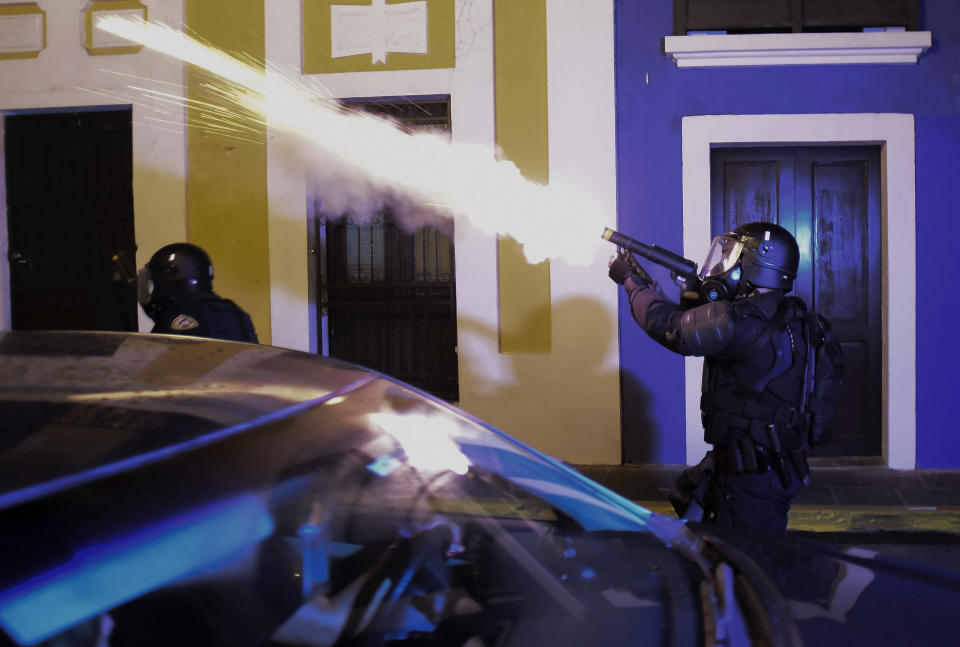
387,296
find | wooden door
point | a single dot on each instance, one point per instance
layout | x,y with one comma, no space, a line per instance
69,185
829,198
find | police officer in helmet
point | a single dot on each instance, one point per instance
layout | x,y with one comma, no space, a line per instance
175,289
754,340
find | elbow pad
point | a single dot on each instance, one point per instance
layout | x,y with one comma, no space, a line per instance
706,329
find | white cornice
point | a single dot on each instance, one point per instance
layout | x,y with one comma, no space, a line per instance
739,50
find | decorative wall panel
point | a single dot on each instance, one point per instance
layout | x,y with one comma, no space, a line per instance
368,35
23,30
99,42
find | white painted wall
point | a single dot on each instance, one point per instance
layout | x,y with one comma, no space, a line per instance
566,402
287,200
65,75
5,314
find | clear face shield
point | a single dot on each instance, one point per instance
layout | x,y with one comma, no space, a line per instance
144,286
723,255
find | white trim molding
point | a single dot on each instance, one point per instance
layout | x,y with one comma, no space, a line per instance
896,136
741,50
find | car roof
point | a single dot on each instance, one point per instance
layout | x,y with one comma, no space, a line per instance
76,406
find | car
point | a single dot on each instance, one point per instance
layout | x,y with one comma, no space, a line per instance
171,490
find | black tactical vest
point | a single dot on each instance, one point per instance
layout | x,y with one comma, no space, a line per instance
753,395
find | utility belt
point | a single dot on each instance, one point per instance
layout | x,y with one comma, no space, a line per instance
722,412
739,454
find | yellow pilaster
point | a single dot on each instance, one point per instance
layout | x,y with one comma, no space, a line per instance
520,28
227,174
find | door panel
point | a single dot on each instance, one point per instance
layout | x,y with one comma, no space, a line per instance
751,187
841,192
69,180
829,198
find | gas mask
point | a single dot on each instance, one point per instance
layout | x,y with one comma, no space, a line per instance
156,295
144,286
720,276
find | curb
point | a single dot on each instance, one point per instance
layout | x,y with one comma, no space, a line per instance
869,519
857,519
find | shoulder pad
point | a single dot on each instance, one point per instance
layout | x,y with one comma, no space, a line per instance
743,308
707,329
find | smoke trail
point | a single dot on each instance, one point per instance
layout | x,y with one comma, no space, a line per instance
362,162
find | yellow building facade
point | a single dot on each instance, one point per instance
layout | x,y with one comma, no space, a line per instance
531,80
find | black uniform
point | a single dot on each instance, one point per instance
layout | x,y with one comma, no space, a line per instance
755,353
175,289
206,315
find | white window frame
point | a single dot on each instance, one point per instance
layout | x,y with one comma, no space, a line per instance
896,136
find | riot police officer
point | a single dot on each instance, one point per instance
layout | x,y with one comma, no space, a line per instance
755,343
175,289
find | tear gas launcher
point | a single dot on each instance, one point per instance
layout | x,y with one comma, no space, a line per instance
682,270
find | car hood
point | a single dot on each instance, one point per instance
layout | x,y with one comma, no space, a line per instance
848,595
76,404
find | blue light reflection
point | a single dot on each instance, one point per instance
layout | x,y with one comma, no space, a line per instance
100,578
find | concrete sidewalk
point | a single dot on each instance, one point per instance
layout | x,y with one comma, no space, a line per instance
844,495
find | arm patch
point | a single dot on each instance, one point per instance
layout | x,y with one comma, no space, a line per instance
706,329
183,322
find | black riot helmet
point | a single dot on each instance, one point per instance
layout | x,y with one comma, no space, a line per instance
172,272
754,255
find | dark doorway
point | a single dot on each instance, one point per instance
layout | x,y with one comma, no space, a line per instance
829,198
386,296
69,188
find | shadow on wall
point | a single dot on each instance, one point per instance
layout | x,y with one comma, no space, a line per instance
641,433
564,389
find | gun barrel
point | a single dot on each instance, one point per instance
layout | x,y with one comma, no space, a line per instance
677,264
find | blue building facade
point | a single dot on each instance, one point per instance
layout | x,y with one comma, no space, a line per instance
654,96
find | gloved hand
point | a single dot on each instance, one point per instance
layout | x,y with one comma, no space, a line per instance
624,266
620,269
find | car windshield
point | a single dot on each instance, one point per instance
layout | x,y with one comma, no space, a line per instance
376,515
